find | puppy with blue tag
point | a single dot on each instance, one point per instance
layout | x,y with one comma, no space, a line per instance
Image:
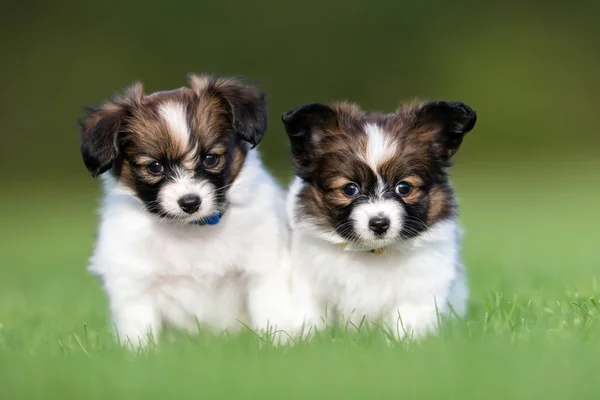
193,229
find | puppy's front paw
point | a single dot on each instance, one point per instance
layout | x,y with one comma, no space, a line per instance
136,324
413,322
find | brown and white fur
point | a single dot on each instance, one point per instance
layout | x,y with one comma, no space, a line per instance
174,160
374,219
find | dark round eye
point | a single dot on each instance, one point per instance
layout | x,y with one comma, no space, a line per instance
155,168
350,190
210,160
403,188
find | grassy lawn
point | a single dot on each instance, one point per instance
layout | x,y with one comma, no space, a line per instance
533,254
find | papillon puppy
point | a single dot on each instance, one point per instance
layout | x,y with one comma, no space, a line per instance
375,236
193,229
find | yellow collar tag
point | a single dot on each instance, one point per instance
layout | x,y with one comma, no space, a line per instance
374,251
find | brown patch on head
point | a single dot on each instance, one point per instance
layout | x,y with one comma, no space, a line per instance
245,104
211,116
158,128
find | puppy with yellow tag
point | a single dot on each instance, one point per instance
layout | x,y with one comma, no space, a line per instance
375,236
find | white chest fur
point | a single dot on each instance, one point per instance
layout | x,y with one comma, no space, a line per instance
158,272
406,287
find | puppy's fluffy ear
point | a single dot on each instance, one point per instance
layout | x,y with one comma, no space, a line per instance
449,122
304,126
246,102
101,128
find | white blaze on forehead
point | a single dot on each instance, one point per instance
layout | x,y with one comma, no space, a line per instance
380,146
175,116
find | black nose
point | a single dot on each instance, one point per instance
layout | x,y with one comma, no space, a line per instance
379,225
190,203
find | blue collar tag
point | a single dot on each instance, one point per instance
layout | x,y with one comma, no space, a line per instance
210,220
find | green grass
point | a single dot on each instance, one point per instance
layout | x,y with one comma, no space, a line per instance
532,253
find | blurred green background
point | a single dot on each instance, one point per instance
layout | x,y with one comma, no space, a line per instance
530,70
528,172
528,176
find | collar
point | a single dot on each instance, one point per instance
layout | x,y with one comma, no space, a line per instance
374,251
210,220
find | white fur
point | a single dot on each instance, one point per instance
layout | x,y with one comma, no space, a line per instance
406,287
380,146
159,272
175,116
